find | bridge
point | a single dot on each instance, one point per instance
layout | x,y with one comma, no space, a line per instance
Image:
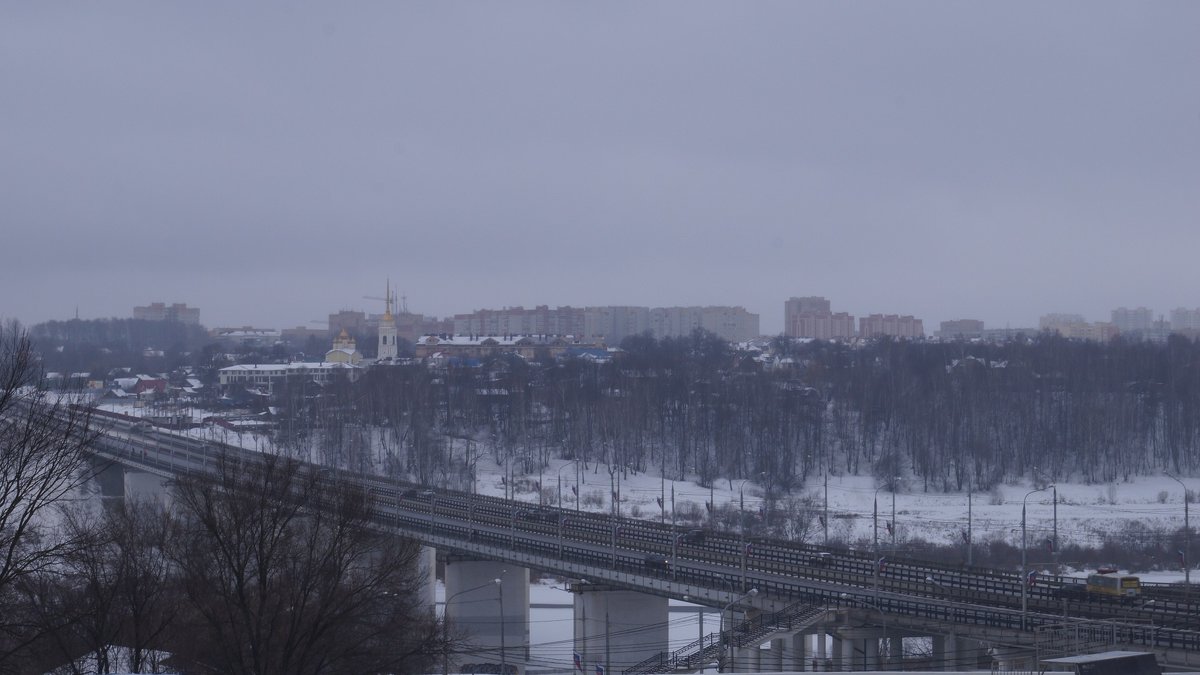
784,606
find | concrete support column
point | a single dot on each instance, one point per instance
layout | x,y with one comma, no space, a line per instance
143,485
1006,658
949,653
473,604
871,653
837,652
746,659
846,647
937,655
427,566
110,477
617,628
895,648
822,649
792,652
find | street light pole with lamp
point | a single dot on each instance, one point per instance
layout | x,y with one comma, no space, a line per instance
560,470
882,620
875,512
875,528
748,594
503,647
1024,547
1054,536
1187,538
446,623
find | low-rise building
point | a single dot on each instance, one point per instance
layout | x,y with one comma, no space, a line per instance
269,376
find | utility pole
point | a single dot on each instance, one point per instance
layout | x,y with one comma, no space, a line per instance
825,521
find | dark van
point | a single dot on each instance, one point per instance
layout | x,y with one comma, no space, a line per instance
656,561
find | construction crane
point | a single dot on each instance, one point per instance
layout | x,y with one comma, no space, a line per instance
403,301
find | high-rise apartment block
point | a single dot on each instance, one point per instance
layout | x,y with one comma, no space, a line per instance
961,329
892,325
160,311
1185,320
1140,320
352,321
609,323
812,317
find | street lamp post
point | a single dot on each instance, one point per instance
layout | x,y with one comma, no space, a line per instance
825,519
446,625
1054,535
748,594
875,512
1187,538
1024,571
875,529
503,647
882,620
560,470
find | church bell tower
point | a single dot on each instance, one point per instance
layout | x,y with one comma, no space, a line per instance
387,330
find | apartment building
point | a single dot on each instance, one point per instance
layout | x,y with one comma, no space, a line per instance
813,317
893,325
961,329
609,323
160,311
1140,320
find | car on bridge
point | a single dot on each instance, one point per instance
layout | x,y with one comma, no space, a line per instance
657,561
692,537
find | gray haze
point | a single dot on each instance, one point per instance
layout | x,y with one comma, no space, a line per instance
272,162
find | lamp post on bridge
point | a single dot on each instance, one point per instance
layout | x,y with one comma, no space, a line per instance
748,594
1187,538
882,620
446,623
503,647
1024,570
560,470
875,529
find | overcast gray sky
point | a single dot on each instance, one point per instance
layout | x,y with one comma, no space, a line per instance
272,162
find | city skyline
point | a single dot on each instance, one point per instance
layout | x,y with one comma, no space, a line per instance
1184,316
269,165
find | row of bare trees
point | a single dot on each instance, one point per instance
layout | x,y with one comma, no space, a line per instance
258,568
952,415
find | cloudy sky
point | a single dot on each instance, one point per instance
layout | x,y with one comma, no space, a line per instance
273,162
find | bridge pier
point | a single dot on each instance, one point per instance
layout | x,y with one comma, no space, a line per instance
746,660
1010,658
617,628
427,565
117,481
860,648
495,616
822,640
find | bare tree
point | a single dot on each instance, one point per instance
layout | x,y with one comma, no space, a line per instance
285,575
43,459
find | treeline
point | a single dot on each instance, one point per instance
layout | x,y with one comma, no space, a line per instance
97,345
951,415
